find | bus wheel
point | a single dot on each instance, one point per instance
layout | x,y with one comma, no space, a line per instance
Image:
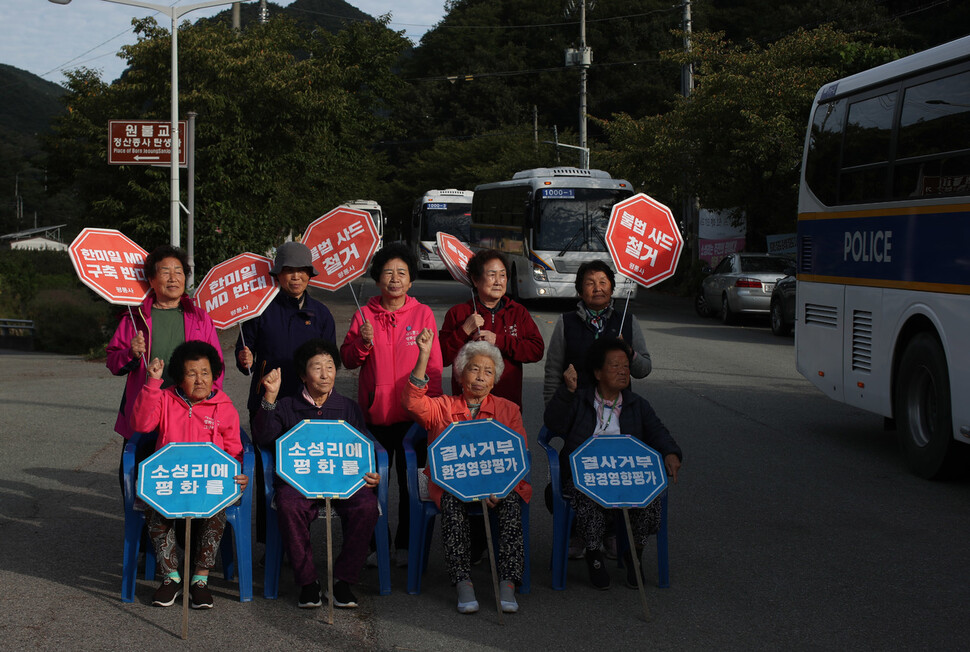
922,409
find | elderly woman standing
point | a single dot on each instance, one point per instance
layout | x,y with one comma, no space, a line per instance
381,341
595,316
492,317
608,408
166,318
479,367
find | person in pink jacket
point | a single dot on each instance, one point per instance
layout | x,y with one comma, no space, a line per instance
381,342
479,367
191,410
166,318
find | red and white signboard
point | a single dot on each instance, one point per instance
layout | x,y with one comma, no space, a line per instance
455,255
111,264
341,244
644,240
237,289
143,142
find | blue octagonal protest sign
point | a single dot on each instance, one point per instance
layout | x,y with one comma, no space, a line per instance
618,471
324,458
188,480
476,459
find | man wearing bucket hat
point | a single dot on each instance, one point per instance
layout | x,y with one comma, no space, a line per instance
269,341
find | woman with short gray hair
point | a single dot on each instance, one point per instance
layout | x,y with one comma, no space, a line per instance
472,349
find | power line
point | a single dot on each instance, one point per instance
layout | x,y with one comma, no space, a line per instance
516,73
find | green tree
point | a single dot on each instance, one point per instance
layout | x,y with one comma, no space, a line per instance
736,143
287,120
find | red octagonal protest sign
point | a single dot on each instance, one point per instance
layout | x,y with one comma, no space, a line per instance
455,255
644,240
341,243
237,289
111,264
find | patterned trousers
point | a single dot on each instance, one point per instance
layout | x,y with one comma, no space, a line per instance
456,535
591,518
161,530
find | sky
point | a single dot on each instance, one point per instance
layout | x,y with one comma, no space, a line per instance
46,38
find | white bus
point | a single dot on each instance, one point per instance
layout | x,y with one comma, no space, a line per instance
438,210
549,221
375,211
883,290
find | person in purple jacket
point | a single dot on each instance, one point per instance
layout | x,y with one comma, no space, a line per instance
316,362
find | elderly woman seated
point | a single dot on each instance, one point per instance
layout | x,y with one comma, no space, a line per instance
478,366
191,410
608,407
316,362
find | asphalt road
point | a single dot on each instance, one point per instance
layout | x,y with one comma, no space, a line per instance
795,523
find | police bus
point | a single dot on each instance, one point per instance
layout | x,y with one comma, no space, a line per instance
549,221
883,290
375,211
438,210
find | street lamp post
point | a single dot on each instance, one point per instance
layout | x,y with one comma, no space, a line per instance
173,12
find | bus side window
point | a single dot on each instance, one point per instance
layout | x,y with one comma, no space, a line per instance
825,145
865,153
934,126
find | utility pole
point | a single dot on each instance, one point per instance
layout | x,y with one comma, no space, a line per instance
582,57
691,209
263,12
236,17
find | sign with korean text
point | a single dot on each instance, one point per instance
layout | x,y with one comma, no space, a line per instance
341,244
188,480
143,142
644,240
475,459
237,289
454,254
324,459
111,264
618,471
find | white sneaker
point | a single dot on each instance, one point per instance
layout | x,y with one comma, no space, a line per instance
371,560
401,557
506,592
467,604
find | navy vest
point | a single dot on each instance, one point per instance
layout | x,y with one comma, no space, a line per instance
578,336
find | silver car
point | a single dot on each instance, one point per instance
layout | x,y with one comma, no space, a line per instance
741,284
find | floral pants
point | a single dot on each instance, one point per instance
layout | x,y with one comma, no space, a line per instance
161,530
591,518
456,535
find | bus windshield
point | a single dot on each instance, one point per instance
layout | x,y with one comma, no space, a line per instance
454,219
574,219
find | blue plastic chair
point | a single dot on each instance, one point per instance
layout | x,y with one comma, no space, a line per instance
274,541
562,522
423,513
237,556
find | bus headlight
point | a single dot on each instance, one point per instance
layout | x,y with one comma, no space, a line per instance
539,273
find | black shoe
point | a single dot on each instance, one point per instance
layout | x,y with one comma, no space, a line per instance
343,597
167,592
310,596
200,597
598,574
631,573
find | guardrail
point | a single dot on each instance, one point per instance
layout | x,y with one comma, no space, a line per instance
17,334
